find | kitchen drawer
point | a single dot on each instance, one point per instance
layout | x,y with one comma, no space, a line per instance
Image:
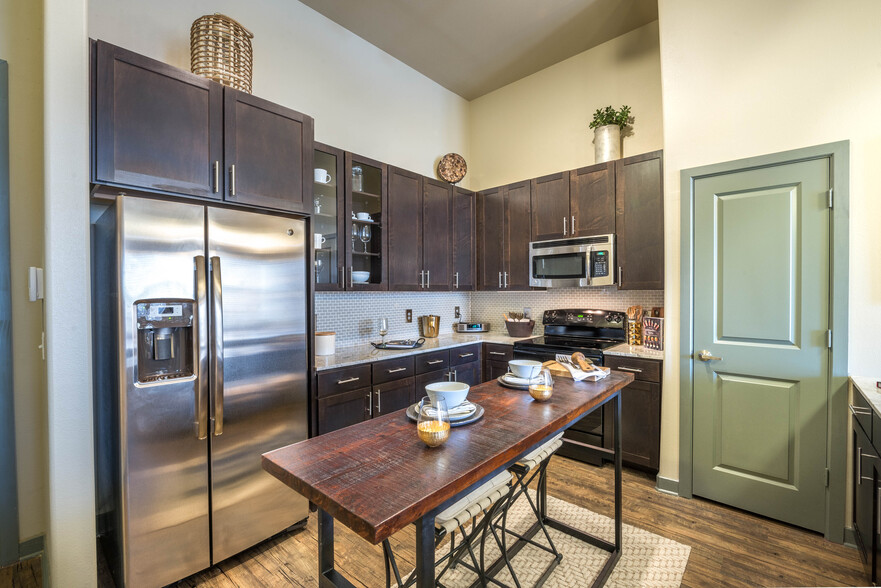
393,369
465,354
863,414
343,379
423,380
433,361
497,352
647,370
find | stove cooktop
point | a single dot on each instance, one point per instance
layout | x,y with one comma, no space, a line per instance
572,342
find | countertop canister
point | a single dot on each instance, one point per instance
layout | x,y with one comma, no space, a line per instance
325,343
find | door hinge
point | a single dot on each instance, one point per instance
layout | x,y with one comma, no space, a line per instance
829,338
830,197
827,477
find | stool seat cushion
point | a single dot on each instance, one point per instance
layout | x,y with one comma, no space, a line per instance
474,502
541,453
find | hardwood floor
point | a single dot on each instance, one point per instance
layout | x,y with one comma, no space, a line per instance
23,574
729,547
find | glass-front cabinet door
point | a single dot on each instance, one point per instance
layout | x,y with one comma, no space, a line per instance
366,239
327,218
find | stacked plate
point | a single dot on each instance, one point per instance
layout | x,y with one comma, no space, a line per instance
464,414
509,380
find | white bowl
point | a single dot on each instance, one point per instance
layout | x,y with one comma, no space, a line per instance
524,368
360,277
453,393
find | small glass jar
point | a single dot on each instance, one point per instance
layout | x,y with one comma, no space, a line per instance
542,386
433,424
357,179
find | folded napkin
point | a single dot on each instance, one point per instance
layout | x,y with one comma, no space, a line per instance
512,379
463,409
579,374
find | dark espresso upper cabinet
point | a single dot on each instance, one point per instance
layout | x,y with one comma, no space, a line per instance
436,233
592,200
550,207
161,129
267,153
156,127
503,234
639,221
404,223
463,260
490,239
517,235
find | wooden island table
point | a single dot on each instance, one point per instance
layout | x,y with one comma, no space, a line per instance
377,477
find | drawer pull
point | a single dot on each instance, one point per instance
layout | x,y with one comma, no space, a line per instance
378,401
465,354
630,369
858,410
496,353
435,362
859,466
347,381
396,370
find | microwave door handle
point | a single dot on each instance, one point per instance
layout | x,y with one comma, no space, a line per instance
201,349
217,344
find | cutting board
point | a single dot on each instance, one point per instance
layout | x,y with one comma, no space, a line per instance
559,371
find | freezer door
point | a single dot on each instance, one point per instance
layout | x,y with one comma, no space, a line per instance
163,464
259,379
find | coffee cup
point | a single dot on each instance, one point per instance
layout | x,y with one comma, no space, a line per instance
321,176
524,368
319,240
363,216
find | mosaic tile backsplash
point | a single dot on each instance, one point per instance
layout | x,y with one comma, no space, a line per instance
354,316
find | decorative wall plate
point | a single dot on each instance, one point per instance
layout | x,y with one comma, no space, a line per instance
452,168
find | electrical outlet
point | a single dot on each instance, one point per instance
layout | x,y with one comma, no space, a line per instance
409,315
456,313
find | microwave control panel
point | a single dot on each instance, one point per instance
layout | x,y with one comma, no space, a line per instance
599,263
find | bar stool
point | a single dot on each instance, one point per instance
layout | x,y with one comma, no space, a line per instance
487,499
532,465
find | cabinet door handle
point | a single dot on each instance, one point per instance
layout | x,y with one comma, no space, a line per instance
457,280
572,225
341,276
496,353
232,180
465,355
396,370
369,398
564,226
378,401
455,376
878,511
351,283
506,279
347,381
216,177
500,280
620,275
435,362
428,278
859,466
859,410
629,369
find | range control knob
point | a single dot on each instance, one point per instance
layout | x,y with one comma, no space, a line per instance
614,317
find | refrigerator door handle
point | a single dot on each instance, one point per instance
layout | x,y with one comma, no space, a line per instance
217,344
201,412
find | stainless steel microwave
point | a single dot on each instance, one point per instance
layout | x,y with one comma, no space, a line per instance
572,263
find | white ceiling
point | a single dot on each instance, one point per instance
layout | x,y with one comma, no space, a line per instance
473,47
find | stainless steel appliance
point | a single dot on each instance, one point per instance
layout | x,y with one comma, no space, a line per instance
590,332
471,327
571,263
201,352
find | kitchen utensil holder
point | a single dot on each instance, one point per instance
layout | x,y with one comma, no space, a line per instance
220,50
634,332
519,329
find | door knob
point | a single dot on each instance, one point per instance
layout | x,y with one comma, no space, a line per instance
705,356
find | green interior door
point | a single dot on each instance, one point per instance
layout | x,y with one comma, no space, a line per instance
761,308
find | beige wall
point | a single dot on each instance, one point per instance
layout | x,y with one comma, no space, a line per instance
21,45
539,125
747,78
363,100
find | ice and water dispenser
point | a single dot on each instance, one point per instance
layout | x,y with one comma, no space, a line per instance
165,340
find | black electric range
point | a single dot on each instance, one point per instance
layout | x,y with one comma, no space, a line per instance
590,332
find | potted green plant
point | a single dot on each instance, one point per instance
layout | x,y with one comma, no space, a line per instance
607,124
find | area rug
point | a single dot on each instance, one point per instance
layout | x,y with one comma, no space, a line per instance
647,560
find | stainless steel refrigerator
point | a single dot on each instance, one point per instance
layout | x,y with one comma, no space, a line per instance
201,366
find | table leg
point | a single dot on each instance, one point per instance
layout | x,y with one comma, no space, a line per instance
425,552
618,467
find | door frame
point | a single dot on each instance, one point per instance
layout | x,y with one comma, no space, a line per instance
838,154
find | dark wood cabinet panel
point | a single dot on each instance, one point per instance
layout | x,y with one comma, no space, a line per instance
423,380
648,370
404,225
863,495
157,127
393,369
498,352
640,425
550,207
517,235
639,221
469,373
332,382
493,369
331,220
342,410
490,230
462,236
592,200
268,153
436,233
465,354
372,199
432,361
393,396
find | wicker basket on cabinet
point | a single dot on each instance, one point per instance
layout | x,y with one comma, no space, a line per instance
220,50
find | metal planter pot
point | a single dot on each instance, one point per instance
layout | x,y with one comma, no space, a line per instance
607,143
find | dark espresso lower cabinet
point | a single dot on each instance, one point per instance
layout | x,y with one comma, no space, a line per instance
640,412
342,410
866,495
393,396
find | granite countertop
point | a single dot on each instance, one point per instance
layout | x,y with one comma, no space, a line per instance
869,388
366,353
626,350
